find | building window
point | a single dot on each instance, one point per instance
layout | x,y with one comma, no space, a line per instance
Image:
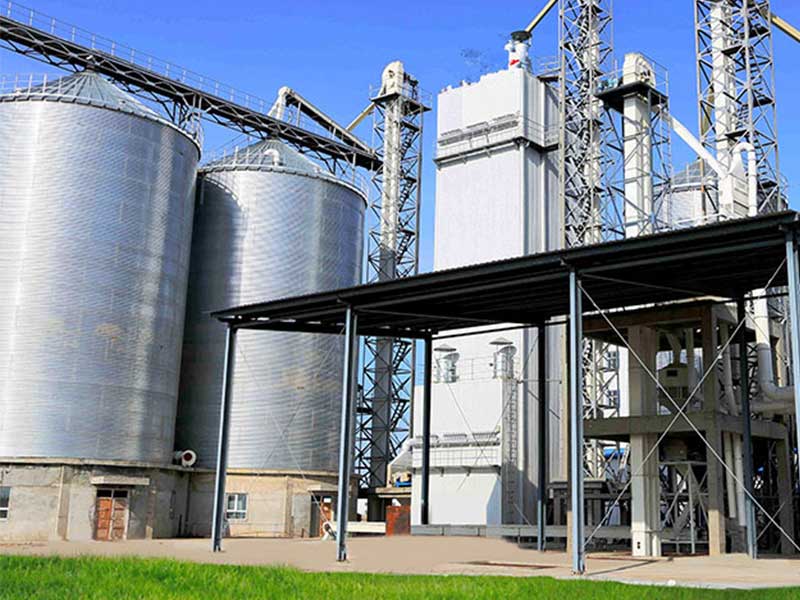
5,498
612,360
237,507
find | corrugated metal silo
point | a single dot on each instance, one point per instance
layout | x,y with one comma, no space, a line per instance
96,209
268,224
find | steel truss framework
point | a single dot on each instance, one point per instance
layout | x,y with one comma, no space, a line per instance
736,98
383,414
533,289
592,212
736,89
67,47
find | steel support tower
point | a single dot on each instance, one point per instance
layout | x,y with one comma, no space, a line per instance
592,208
736,91
383,414
736,96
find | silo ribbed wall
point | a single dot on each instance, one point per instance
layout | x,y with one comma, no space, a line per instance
266,232
96,208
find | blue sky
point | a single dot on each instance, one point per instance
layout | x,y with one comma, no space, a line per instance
333,51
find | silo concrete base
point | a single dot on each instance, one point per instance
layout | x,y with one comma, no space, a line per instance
68,499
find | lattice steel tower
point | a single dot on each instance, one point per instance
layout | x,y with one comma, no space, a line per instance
383,419
592,210
590,214
736,92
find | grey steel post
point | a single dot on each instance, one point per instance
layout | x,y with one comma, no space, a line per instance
794,321
747,443
576,420
222,446
425,488
346,434
541,492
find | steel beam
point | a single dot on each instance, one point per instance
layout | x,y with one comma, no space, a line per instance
794,320
426,435
542,455
346,433
747,434
27,40
575,368
217,519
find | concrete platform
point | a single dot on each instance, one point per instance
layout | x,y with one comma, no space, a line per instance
445,555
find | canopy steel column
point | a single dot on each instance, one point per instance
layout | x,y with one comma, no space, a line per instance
222,446
346,433
426,435
542,455
747,446
576,420
794,320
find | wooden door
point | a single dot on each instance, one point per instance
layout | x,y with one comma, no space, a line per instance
111,515
103,508
119,518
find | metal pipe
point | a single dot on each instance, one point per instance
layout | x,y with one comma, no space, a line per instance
738,469
542,14
692,529
794,322
727,370
778,399
426,435
346,434
785,27
222,444
576,421
541,492
730,484
747,447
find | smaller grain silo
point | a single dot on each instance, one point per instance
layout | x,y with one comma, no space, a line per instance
268,223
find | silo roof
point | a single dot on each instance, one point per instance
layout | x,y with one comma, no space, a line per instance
261,155
84,87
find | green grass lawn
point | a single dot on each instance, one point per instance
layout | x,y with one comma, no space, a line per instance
31,578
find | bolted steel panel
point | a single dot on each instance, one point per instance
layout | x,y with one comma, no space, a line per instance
268,224
95,228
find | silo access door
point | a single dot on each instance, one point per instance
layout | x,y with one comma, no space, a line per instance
111,515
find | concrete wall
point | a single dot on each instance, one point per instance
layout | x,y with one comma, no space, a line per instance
277,505
57,501
33,505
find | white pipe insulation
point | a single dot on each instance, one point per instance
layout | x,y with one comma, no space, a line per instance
778,399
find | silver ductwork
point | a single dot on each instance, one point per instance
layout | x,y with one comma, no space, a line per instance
778,399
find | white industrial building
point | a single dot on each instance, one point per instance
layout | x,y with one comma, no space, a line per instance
496,198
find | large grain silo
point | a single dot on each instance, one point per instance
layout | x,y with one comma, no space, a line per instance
268,223
96,206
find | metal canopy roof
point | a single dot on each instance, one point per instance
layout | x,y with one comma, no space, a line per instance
724,260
